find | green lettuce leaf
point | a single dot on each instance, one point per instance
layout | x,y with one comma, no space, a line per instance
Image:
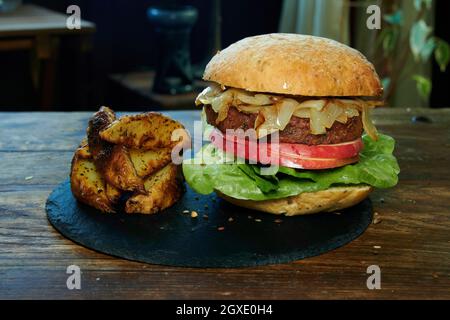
212,170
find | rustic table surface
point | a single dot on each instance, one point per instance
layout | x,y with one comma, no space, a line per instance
410,241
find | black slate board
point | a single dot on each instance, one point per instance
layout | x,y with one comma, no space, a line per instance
175,239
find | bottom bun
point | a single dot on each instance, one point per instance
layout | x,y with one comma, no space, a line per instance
332,199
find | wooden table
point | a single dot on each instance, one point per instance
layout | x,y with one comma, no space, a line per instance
413,234
37,29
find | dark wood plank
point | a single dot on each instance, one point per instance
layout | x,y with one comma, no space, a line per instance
57,131
413,235
31,130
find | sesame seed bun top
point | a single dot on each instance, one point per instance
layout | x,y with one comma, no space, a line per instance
294,64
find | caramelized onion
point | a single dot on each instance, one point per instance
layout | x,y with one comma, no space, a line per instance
368,124
285,110
257,99
316,122
275,112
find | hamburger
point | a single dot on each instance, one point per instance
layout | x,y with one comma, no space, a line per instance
307,101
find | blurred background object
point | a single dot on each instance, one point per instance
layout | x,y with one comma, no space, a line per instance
9,5
405,51
322,18
119,56
33,71
173,24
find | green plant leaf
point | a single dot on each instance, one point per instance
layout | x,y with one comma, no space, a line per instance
428,49
395,18
386,82
377,167
380,37
390,40
418,37
418,4
423,86
442,54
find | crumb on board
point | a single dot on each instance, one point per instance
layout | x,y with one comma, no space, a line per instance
250,217
376,220
194,214
205,216
230,219
278,221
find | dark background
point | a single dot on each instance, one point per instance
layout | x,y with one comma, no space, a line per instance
440,96
124,41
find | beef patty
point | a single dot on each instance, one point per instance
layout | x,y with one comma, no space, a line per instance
297,130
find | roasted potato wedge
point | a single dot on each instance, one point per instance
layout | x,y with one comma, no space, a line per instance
83,151
130,154
118,170
87,184
162,190
99,121
113,193
112,161
147,162
145,131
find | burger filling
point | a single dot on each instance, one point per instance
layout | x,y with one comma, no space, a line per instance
298,130
320,145
301,120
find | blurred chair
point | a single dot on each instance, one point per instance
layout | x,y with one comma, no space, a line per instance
40,31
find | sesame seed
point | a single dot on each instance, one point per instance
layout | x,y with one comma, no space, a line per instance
377,247
258,220
185,211
230,219
221,228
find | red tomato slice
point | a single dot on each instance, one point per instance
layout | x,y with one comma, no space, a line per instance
325,151
290,155
316,164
